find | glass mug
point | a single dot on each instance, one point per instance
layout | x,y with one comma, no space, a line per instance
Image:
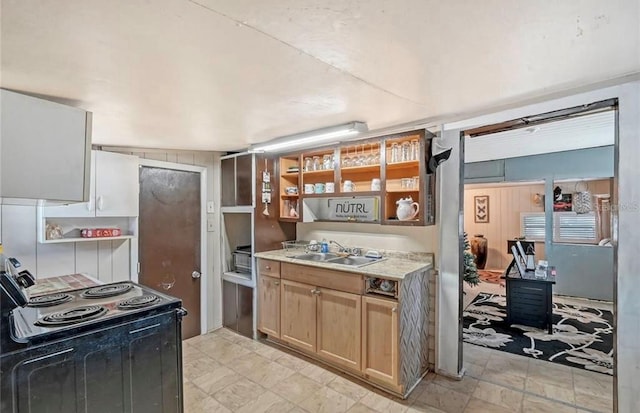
375,184
406,183
348,186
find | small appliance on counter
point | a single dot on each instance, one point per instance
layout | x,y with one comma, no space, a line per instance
242,259
86,349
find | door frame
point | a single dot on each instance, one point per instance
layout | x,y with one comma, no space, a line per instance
202,170
449,359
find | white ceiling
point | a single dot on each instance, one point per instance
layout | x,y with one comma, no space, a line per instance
221,74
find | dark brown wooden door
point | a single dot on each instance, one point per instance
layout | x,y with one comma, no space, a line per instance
169,238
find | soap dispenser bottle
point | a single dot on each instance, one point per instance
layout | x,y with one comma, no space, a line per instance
324,246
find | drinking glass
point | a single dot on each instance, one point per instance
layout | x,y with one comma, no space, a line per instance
346,160
362,159
415,149
308,164
355,161
326,162
371,157
406,151
395,153
376,156
316,163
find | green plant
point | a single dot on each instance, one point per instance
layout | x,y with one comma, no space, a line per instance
470,275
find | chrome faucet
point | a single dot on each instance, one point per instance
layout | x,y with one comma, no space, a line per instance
342,249
350,251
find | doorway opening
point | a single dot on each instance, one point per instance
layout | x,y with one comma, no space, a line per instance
538,198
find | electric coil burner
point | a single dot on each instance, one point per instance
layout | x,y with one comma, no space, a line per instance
138,302
49,300
72,316
109,290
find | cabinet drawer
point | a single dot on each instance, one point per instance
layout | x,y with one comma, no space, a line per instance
269,267
320,277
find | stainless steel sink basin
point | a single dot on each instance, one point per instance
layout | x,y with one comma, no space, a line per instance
316,256
354,261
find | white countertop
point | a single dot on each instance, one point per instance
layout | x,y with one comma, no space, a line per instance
389,267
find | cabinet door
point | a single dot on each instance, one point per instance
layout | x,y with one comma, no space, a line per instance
245,310
229,305
269,305
153,349
339,321
380,339
228,181
54,374
298,315
117,185
244,188
81,209
45,149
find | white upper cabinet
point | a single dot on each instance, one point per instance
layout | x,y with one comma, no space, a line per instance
45,149
114,189
117,185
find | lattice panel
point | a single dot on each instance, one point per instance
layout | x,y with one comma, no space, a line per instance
414,327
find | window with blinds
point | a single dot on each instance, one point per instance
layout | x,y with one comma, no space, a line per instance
568,227
532,225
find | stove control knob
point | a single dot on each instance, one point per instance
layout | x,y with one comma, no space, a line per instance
195,275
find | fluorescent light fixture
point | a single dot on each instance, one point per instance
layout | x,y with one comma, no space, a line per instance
315,137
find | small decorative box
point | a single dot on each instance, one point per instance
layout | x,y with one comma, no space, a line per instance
100,232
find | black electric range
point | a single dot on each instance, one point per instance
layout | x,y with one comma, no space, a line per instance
110,348
62,314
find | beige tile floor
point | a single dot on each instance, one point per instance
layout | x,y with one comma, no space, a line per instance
225,372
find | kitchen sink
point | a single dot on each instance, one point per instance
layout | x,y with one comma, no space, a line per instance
316,256
354,261
328,257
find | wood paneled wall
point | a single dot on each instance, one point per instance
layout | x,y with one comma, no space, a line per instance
506,202
505,205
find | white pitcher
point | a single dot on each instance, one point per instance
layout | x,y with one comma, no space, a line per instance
407,209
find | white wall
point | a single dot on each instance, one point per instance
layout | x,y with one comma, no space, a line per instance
107,261
375,236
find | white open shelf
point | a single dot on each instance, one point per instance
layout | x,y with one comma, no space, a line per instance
61,240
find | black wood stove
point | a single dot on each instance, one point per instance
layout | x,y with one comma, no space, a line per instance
111,348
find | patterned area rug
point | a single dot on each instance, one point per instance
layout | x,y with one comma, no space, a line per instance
582,336
490,276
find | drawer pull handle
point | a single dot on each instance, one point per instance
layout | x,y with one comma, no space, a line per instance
267,267
144,328
394,309
49,356
276,283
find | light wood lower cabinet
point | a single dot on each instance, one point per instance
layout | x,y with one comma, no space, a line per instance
338,323
324,314
298,315
269,305
380,339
